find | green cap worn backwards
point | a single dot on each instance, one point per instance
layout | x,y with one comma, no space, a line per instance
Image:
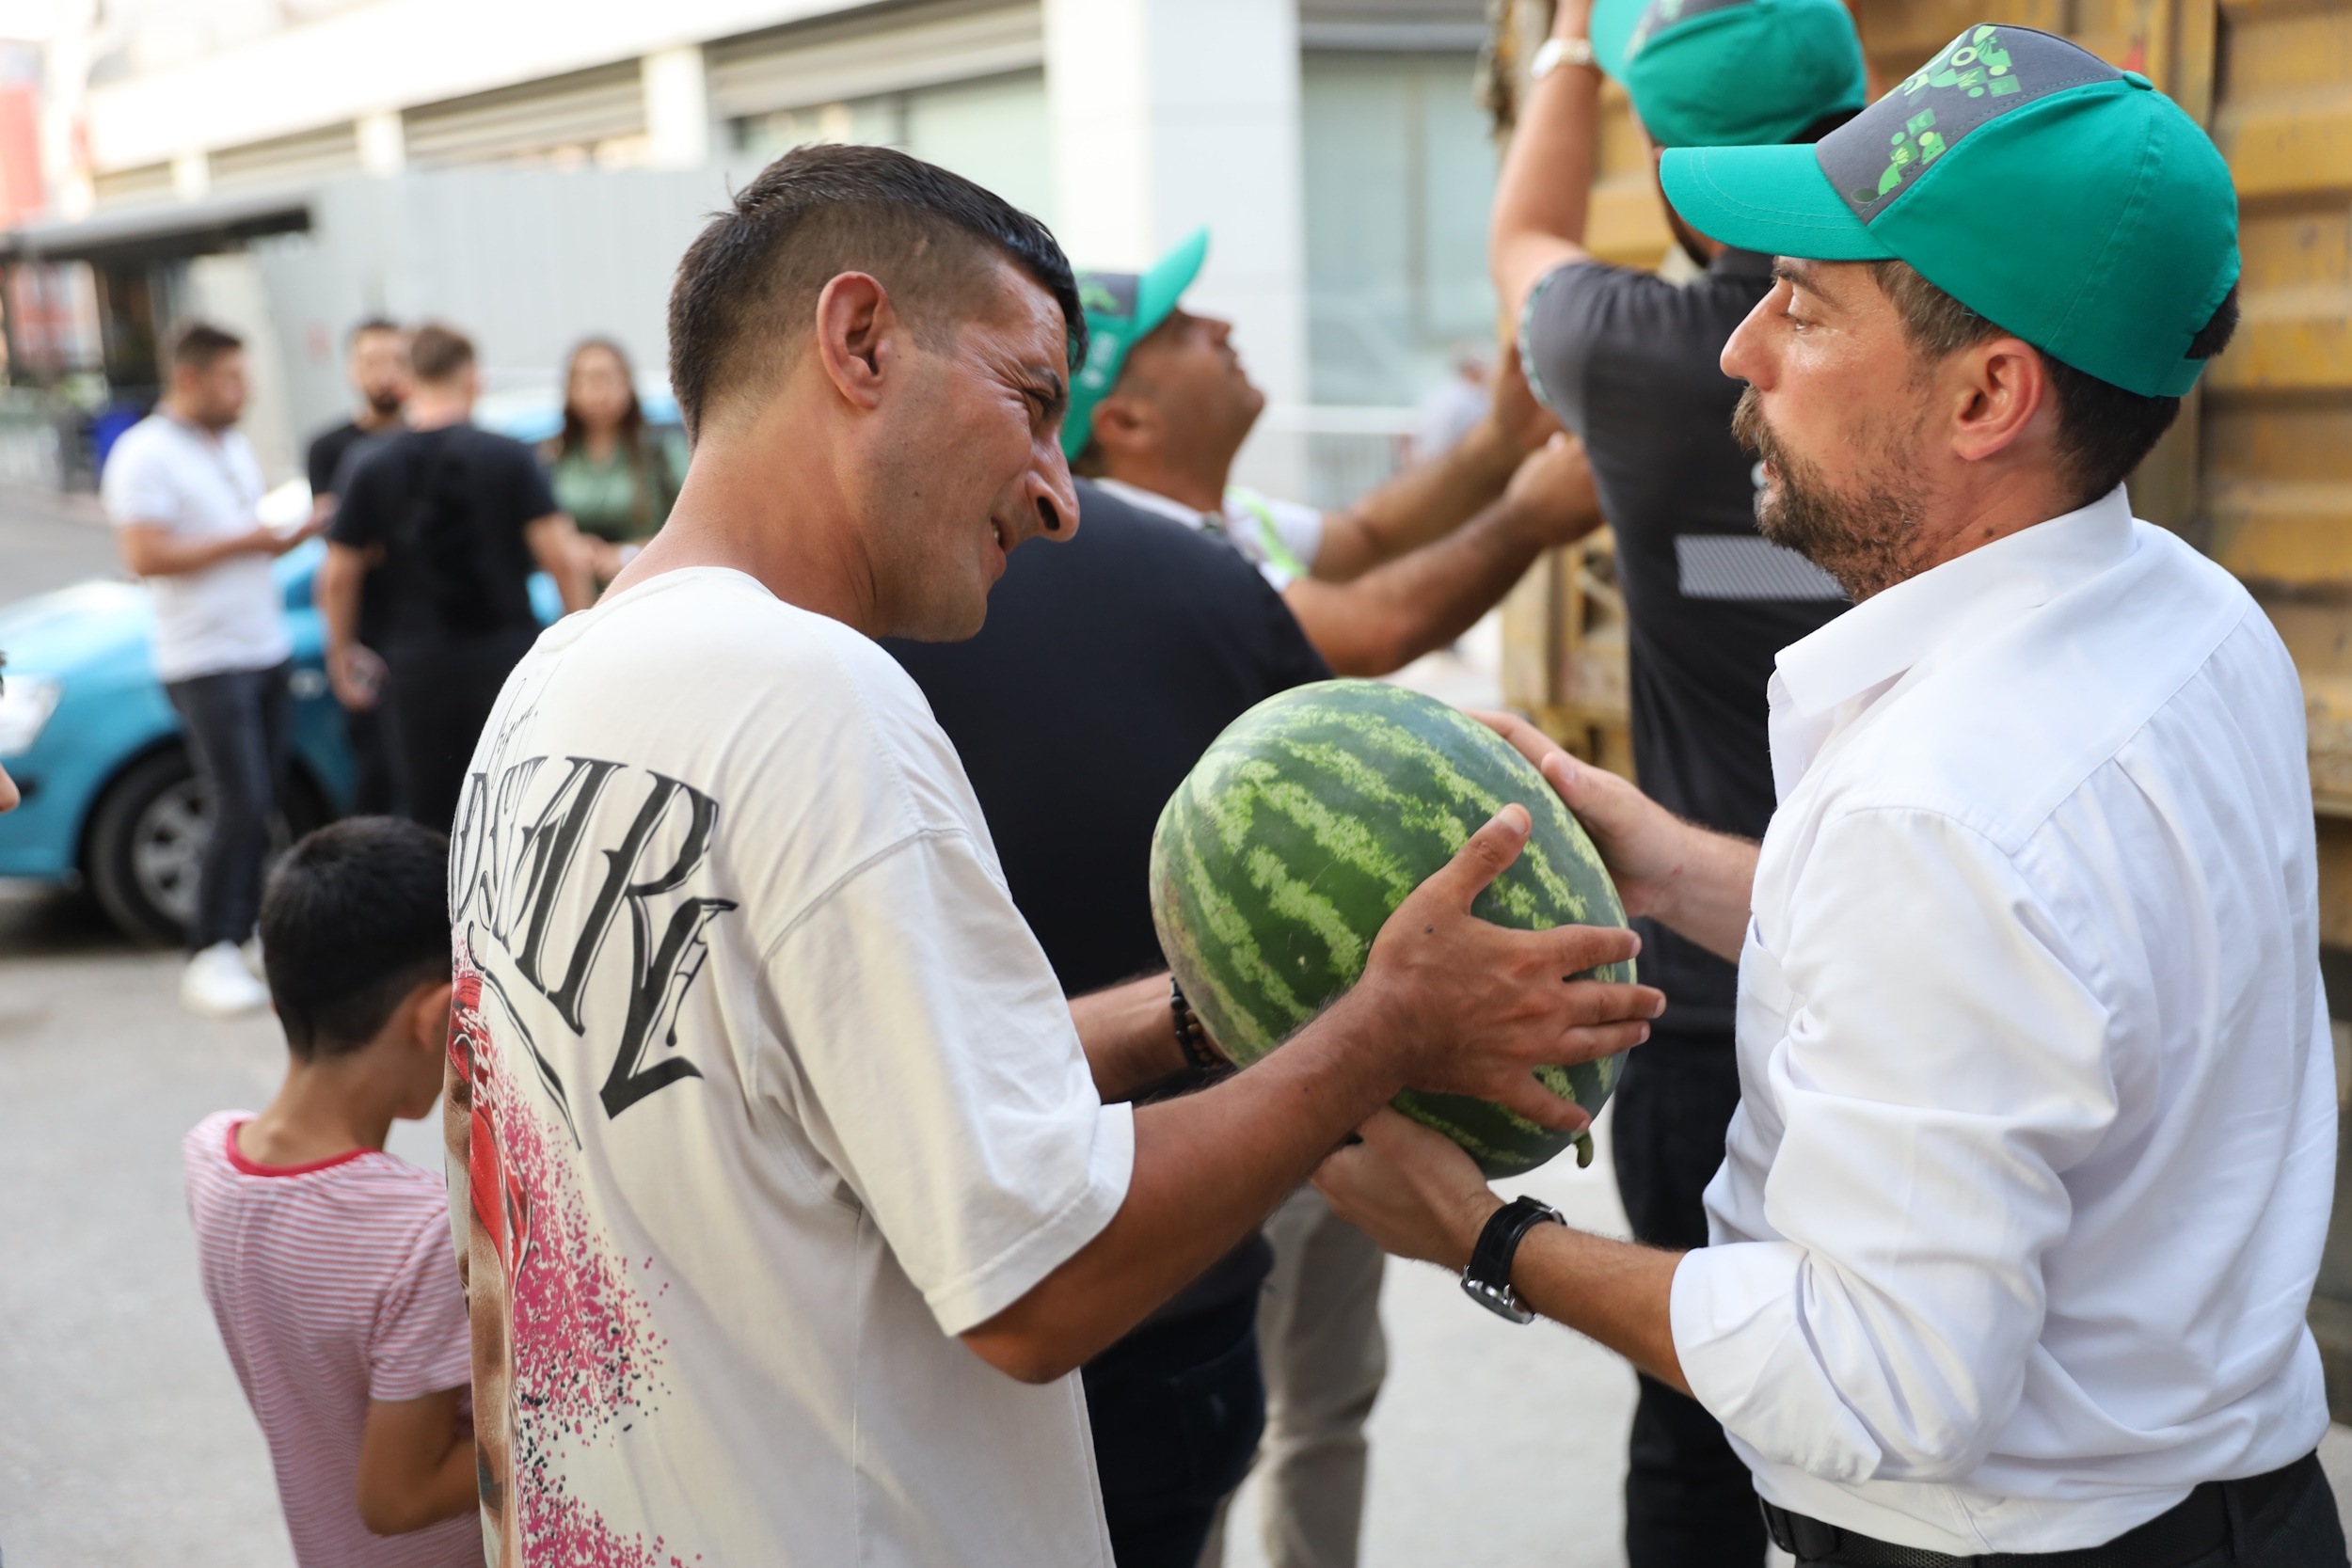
1730,72
2062,199
1121,310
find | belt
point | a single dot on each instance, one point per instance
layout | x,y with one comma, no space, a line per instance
2195,1527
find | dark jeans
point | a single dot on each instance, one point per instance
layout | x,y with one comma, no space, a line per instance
1177,1409
1688,1502
237,725
435,702
374,792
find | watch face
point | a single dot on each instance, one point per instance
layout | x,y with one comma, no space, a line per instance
1497,1300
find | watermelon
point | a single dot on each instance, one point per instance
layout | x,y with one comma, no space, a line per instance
1300,830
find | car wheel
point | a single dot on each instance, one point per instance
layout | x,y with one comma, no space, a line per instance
147,843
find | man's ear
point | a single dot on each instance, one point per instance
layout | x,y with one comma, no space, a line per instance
855,324
427,1012
1996,394
1127,425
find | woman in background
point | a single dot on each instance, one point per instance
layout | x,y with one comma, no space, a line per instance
615,476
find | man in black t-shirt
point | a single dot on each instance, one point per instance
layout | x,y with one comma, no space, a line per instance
1631,363
376,365
1107,666
452,520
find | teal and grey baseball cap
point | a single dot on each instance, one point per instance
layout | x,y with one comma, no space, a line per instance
2066,200
1730,72
1121,310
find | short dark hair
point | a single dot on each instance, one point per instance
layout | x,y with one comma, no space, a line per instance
199,345
2103,431
355,918
748,283
367,324
438,353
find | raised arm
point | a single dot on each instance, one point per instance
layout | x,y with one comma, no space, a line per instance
1447,1003
1392,615
1546,185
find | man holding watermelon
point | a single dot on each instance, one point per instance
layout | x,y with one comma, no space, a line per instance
1629,362
828,1193
2024,1202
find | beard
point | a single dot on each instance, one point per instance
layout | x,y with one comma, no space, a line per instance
384,404
1864,540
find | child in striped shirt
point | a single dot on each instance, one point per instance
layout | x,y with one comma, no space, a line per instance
328,1262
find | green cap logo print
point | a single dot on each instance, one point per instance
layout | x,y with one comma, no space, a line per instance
1974,64
1983,73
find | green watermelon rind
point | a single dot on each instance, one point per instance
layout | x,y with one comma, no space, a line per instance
1433,776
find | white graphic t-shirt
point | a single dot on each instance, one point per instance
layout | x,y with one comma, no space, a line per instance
761,1093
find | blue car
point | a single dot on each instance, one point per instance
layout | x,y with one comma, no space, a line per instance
111,798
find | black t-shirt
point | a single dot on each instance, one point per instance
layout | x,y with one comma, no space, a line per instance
448,506
330,450
1106,667
1631,363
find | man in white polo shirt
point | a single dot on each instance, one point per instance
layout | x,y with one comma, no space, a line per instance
2024,1202
181,486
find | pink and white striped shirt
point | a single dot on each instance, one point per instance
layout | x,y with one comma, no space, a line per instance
333,1284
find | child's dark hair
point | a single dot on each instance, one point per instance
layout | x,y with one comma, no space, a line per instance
355,917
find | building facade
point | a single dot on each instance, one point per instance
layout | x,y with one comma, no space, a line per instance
530,169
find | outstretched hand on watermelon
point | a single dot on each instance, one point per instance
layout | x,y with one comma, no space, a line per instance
1279,860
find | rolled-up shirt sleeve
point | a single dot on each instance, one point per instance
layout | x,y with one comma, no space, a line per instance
1945,1063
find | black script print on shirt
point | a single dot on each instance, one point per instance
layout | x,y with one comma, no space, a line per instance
549,856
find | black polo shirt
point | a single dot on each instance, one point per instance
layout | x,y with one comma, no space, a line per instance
1107,665
1629,362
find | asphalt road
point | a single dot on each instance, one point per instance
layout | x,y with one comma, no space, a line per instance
127,1442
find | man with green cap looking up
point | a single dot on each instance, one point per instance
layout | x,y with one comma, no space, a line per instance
1163,406
1629,362
2024,1202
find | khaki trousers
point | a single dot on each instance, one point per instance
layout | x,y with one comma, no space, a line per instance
1320,1340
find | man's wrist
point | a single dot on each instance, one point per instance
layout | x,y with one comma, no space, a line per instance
1570,19
1463,1232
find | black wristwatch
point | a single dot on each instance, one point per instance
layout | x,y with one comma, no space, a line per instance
1487,1280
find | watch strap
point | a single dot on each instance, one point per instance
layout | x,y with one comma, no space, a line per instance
1555,52
1487,1280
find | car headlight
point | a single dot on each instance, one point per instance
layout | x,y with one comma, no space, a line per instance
25,704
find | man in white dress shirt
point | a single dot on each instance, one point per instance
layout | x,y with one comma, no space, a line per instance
2021,1208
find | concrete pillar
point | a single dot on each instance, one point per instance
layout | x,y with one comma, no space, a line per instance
191,175
678,108
1167,113
383,142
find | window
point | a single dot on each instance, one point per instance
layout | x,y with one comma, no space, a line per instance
1399,171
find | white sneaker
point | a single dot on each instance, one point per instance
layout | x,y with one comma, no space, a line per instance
218,984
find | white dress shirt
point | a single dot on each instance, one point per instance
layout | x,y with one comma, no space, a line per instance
2022,1208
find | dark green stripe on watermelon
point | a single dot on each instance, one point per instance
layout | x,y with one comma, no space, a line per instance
1303,826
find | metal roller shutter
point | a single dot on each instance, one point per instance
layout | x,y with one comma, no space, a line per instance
533,120
305,156
791,67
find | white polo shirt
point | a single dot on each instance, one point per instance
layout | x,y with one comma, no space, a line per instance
2021,1208
1281,538
230,616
